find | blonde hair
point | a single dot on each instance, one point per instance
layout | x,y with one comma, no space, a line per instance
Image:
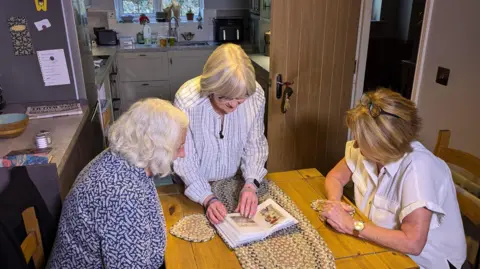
149,134
228,73
386,136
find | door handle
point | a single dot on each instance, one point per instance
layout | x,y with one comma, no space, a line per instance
145,84
142,55
280,84
171,62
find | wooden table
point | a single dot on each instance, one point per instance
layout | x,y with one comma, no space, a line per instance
303,186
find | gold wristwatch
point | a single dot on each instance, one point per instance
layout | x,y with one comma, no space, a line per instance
358,226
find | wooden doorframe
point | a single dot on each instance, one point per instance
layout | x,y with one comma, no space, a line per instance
362,50
363,37
422,47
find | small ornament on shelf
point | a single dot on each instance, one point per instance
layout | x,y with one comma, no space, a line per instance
190,15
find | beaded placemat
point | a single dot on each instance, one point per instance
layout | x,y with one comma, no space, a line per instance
193,228
299,246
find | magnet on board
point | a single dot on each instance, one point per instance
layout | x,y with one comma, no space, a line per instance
41,5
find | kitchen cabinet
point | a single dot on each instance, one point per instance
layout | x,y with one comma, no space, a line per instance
265,9
185,65
130,92
143,66
156,74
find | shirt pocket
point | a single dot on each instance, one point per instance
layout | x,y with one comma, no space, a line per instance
385,212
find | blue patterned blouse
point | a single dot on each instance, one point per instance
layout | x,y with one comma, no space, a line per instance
112,218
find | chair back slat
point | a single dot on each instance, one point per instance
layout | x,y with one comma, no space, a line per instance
32,246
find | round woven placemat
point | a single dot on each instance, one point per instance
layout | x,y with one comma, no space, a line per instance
194,228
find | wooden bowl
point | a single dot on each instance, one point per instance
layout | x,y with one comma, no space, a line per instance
12,125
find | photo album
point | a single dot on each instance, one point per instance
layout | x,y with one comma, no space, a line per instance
270,217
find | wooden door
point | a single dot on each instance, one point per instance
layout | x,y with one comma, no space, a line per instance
313,44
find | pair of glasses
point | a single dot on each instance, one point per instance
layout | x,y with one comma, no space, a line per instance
227,99
373,109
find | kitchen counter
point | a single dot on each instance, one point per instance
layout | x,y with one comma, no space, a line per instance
262,60
157,48
63,130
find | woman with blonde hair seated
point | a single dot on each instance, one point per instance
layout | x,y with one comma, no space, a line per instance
112,217
225,106
406,192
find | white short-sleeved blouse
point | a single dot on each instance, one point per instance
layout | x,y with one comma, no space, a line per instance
418,179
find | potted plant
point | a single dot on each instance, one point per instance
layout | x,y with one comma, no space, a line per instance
190,15
144,19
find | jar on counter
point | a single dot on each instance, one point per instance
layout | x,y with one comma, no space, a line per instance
163,42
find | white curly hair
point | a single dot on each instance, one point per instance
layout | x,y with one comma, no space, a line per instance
148,135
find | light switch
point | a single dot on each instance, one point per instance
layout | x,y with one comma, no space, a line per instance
442,75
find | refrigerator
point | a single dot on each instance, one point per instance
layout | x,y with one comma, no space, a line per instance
34,31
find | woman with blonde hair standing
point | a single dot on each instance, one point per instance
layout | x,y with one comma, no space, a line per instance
225,106
406,192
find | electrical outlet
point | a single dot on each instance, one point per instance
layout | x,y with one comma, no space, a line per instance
443,74
111,15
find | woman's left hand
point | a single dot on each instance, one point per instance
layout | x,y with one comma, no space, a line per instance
248,202
337,217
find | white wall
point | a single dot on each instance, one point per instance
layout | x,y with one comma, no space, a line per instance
452,41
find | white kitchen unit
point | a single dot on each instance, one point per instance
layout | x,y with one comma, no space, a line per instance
134,91
143,66
157,74
185,65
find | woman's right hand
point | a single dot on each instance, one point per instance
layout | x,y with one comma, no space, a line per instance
216,212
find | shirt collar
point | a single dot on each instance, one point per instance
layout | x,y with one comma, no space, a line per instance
392,167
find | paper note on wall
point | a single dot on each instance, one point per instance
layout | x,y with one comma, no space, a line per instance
54,67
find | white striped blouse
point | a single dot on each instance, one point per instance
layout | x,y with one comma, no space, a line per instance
210,157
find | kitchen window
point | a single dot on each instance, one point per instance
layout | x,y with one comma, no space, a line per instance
150,7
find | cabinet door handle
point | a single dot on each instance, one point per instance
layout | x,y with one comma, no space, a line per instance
142,55
145,84
171,62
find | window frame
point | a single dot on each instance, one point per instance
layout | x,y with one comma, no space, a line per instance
157,6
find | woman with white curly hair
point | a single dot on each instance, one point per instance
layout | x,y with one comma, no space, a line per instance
112,217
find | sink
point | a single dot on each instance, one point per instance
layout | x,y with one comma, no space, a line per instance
191,43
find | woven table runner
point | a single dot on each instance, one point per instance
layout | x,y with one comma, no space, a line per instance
299,246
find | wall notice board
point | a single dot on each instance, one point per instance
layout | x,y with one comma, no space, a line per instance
20,76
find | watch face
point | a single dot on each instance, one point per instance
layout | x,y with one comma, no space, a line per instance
256,183
358,225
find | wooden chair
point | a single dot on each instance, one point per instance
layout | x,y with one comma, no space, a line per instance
32,245
469,204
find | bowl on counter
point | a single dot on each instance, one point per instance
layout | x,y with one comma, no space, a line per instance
13,124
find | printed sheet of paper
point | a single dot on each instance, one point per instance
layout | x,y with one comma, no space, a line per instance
54,67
